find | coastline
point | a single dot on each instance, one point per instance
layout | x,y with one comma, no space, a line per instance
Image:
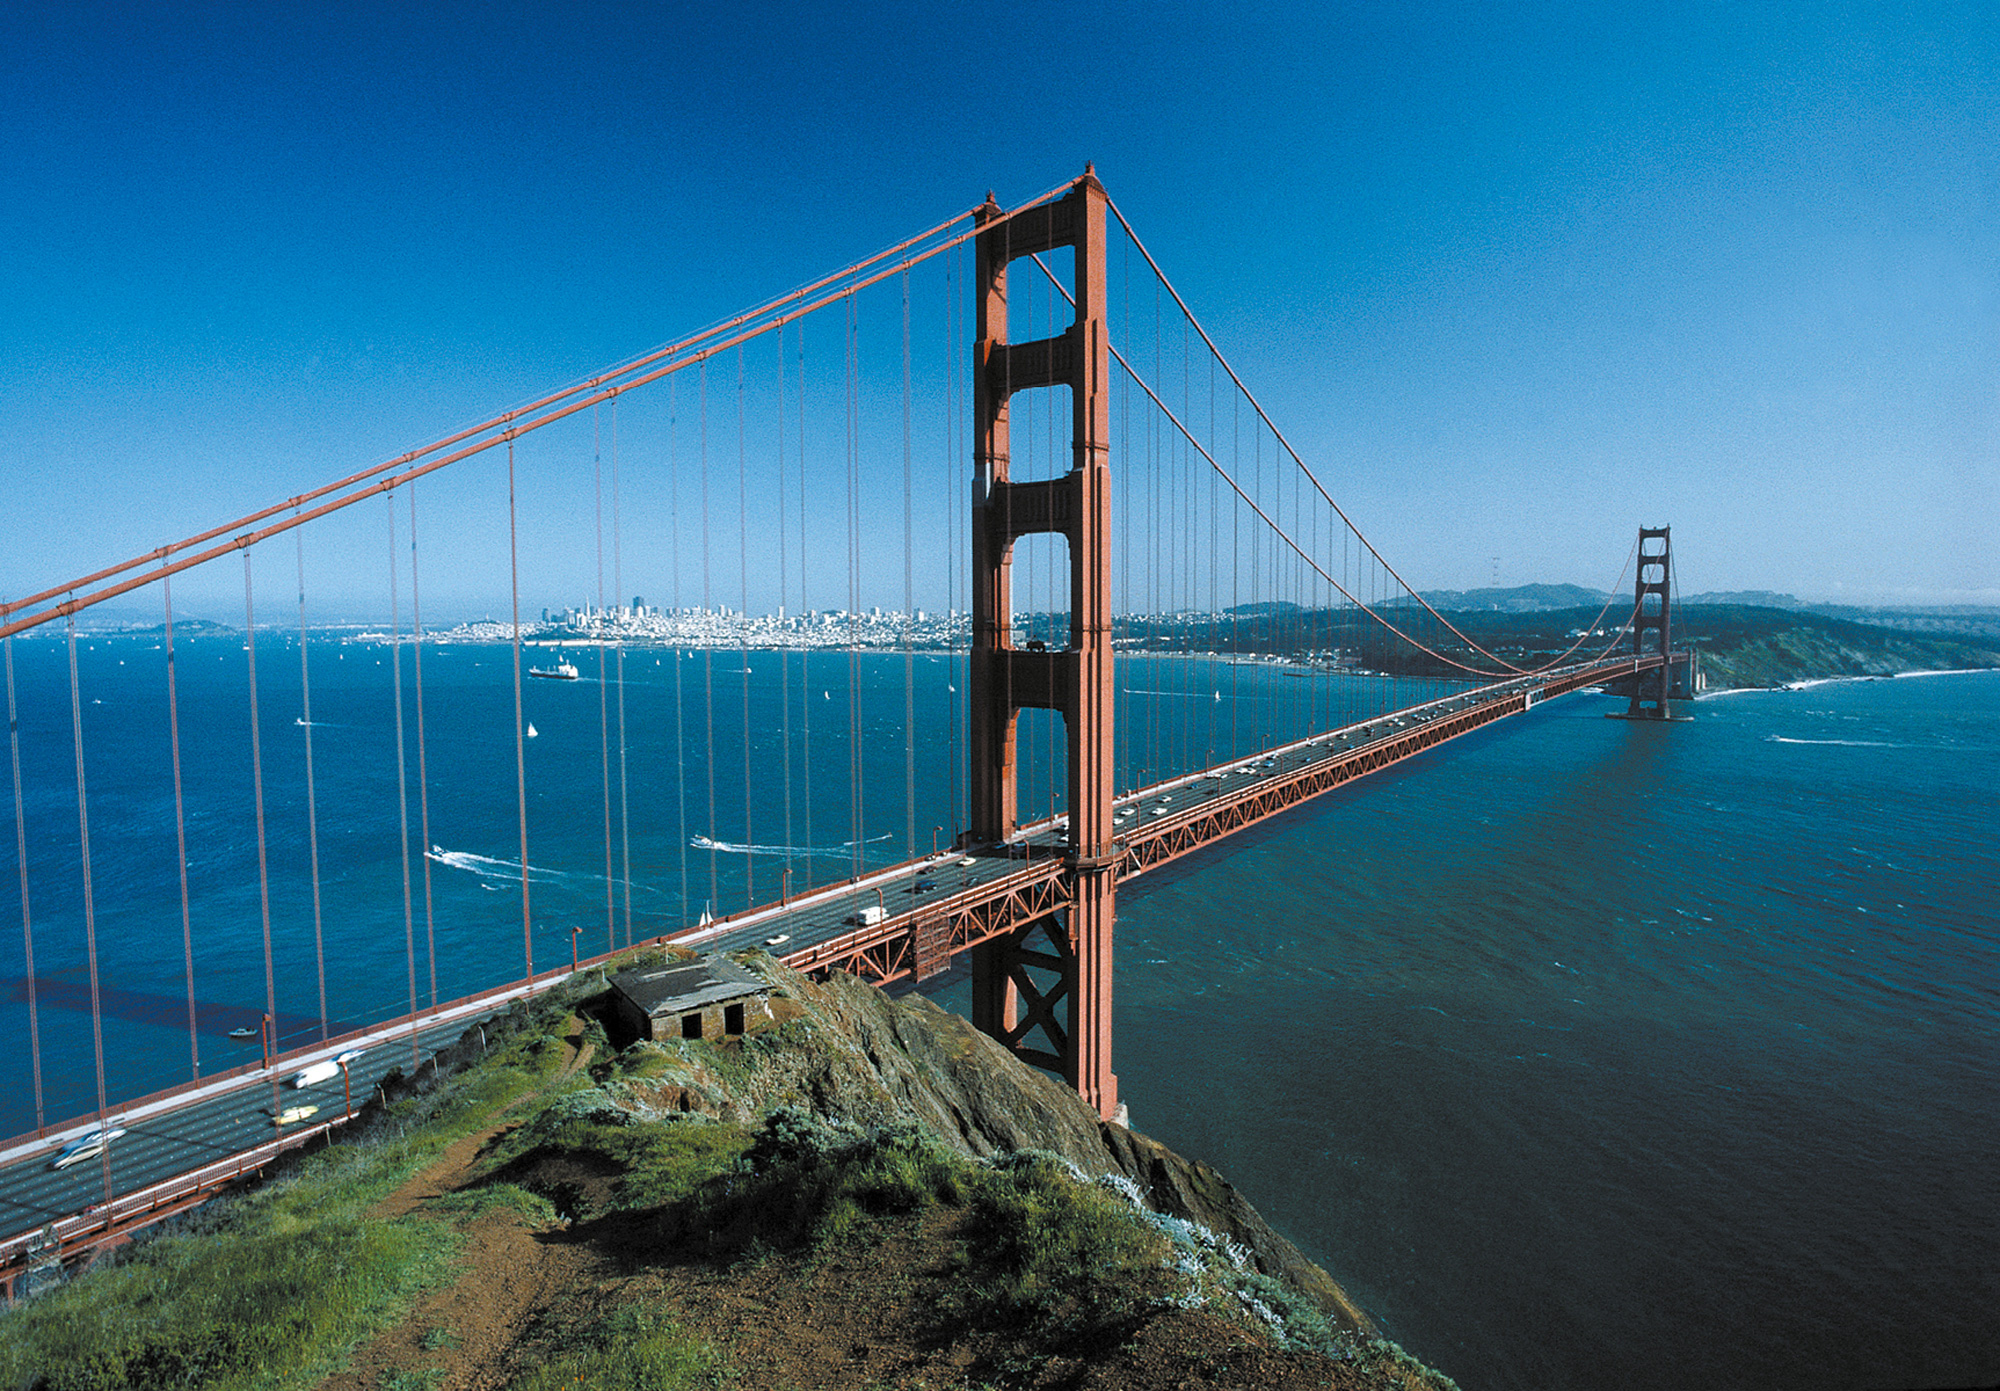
1811,682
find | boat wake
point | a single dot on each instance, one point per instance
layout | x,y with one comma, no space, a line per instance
487,867
1844,743
845,849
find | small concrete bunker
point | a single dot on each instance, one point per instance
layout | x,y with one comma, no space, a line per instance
711,997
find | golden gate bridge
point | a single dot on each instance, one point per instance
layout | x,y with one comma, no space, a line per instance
1067,459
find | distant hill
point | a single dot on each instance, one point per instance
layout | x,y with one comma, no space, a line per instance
1755,598
1522,598
1744,644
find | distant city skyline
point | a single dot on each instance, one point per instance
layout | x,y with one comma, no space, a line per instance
1515,283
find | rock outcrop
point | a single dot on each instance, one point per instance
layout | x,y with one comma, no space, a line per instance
849,1052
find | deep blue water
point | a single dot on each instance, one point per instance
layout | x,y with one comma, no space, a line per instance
1593,1054
1585,1053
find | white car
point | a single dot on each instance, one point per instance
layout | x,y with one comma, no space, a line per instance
352,1055
324,1070
88,1145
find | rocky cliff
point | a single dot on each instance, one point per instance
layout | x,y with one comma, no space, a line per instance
850,1053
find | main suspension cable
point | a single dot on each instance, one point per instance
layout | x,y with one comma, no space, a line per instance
506,428
1286,537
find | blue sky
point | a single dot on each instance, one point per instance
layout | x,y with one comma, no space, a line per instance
1515,279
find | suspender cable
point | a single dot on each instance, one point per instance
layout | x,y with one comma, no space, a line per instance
743,622
1057,466
1155,754
603,696
1279,534
257,787
624,780
680,723
805,653
27,918
954,510
909,603
504,429
403,785
1214,542
312,803
89,897
520,732
784,654
708,657
1122,724
855,590
760,319
1235,581
423,757
180,839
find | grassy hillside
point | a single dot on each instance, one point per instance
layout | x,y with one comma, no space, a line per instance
695,1214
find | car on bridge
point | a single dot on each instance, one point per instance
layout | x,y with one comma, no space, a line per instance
88,1145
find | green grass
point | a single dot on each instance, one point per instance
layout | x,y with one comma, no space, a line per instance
405,1380
276,1290
1044,1251
658,1165
637,1348
276,1287
468,1203
265,1305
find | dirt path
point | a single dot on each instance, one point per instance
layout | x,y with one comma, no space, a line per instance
467,1331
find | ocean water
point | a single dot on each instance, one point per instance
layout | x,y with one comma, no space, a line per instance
1589,1053
1584,1053
849,764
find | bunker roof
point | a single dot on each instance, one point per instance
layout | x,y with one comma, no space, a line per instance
684,986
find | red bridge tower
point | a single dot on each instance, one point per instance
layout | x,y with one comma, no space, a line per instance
1049,1002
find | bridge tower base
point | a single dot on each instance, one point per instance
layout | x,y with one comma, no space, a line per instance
1045,991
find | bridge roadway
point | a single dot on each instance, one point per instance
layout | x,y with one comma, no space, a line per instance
185,1144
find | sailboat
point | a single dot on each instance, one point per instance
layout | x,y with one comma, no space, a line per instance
533,733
